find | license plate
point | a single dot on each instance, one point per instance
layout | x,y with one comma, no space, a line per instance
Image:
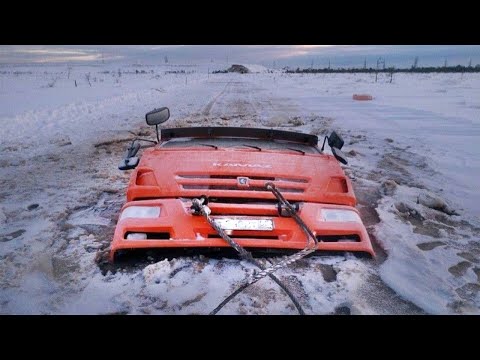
245,224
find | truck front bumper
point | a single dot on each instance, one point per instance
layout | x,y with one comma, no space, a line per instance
176,227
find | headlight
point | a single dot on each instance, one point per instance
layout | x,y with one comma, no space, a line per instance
142,212
340,215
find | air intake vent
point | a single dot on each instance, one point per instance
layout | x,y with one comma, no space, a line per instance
337,185
146,177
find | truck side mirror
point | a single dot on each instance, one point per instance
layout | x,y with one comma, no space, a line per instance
130,161
335,140
157,116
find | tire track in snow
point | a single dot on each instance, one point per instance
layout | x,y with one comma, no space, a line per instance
208,107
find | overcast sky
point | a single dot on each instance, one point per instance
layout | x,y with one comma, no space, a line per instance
269,55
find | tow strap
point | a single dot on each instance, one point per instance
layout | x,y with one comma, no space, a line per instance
199,207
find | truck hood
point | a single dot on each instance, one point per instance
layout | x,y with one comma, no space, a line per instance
237,174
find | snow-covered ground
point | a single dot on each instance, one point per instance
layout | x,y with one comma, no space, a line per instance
60,190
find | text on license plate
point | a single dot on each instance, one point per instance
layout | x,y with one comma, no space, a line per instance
245,224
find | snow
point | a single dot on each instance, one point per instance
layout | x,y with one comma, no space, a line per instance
61,145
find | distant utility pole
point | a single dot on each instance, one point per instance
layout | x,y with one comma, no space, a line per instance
445,63
365,63
166,59
328,63
470,63
415,62
311,66
380,60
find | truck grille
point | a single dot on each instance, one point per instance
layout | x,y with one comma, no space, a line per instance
230,183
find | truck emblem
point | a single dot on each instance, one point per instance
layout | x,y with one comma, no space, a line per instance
242,181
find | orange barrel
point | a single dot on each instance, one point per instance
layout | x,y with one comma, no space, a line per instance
362,97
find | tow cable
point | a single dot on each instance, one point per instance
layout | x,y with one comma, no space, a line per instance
199,207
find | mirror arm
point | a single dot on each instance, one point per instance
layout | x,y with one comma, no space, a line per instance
158,138
147,140
323,146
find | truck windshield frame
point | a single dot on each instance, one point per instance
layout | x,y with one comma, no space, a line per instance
209,132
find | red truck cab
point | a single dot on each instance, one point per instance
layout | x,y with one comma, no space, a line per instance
230,167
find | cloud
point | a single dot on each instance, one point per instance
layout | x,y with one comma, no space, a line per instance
301,55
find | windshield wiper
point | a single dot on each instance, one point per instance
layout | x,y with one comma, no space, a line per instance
214,146
252,146
300,151
297,150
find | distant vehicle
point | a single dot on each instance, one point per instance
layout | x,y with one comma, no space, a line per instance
257,185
